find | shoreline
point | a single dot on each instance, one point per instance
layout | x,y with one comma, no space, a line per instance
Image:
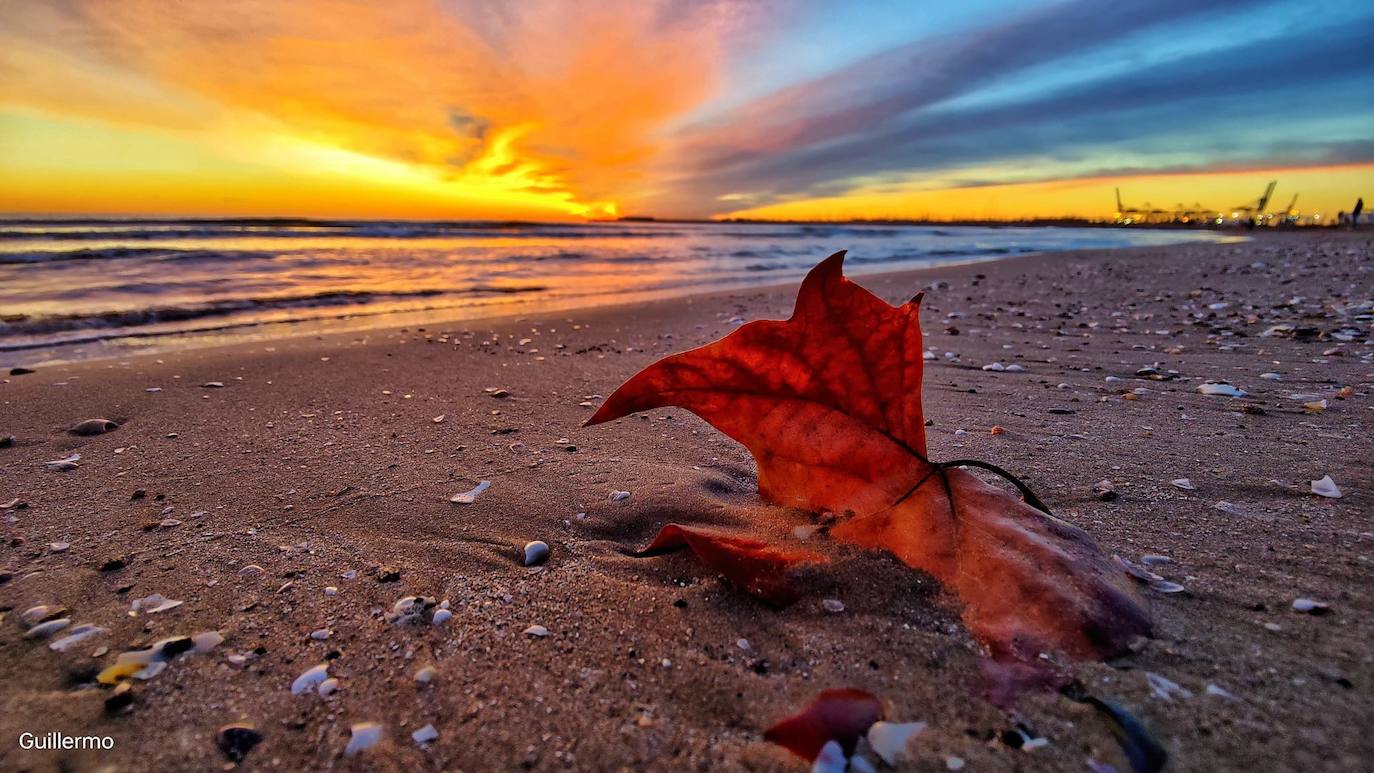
50,353
321,455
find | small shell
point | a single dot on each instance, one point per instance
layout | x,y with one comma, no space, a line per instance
536,553
618,496
1221,389
442,616
1183,483
1310,607
75,636
94,427
328,687
310,679
44,630
426,675
537,631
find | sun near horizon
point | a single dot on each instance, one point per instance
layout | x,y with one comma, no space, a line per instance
553,111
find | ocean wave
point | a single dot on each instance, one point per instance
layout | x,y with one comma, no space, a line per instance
154,230
126,253
22,325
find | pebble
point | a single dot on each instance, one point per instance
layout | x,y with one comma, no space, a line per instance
442,616
1326,487
321,634
236,740
537,631
468,497
426,675
1270,376
1308,606
1183,483
889,740
954,763
833,606
59,547
213,385
995,367
536,553
328,687
331,591
618,496
424,735
310,680
362,736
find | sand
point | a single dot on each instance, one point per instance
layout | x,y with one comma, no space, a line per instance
324,456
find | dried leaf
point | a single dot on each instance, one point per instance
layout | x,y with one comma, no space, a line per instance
829,404
843,716
752,565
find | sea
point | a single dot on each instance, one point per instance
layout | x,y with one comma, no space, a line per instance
78,289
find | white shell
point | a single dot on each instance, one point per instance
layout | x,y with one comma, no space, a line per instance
1308,605
426,674
537,631
44,630
328,687
1183,483
153,603
830,760
77,635
1326,487
890,739
618,496
1221,389
310,679
468,497
442,616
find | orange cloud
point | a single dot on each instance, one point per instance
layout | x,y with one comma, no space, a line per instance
545,100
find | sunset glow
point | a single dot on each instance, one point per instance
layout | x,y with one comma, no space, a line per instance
553,110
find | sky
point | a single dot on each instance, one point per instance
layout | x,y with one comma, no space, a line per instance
806,109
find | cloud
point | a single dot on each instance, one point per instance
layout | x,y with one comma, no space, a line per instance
891,116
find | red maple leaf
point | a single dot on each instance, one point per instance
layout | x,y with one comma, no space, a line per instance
829,404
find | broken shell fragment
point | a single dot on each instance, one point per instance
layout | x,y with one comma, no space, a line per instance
310,680
362,736
1310,607
468,497
153,604
63,465
537,631
891,739
94,427
424,735
44,630
75,636
1326,487
1221,389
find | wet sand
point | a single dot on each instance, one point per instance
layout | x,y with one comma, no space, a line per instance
322,456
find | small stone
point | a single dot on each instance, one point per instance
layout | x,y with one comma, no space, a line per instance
535,553
442,616
426,675
537,631
618,496
59,547
321,634
996,430
236,740
1182,483
328,687
833,606
331,591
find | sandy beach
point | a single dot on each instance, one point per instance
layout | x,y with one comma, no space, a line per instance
291,506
